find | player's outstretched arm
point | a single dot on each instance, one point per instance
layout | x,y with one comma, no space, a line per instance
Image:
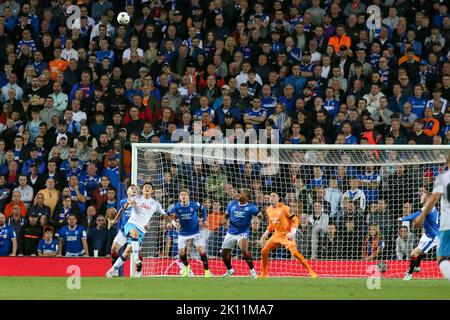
118,215
432,201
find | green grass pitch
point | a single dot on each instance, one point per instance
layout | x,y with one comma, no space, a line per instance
218,289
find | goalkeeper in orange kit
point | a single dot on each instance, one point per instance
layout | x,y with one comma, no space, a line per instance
284,224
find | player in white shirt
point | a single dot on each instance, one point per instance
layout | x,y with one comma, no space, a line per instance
142,211
441,190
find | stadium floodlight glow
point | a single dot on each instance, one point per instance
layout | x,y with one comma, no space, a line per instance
318,182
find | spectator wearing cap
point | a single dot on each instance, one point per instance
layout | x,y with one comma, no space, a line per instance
115,151
33,160
31,235
112,171
117,96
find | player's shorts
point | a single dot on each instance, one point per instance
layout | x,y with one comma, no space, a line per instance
426,243
182,240
231,240
443,249
127,230
120,238
277,240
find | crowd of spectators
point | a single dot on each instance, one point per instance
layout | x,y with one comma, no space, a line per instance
71,97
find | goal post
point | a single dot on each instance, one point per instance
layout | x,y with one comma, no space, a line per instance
349,200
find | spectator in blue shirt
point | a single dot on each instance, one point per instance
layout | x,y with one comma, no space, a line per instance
78,193
48,247
8,241
72,239
112,172
331,104
296,80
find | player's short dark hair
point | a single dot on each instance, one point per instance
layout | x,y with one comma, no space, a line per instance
48,229
147,182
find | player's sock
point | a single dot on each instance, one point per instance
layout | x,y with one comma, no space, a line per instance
302,259
412,264
419,259
264,261
114,257
135,246
204,259
227,260
119,262
183,259
139,266
444,265
249,260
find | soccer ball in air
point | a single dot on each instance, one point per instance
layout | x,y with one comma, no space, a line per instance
123,18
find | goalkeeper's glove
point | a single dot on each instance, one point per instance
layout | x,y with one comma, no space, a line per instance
174,223
291,235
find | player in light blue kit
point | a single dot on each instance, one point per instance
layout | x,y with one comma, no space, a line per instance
190,215
441,190
143,209
240,212
428,240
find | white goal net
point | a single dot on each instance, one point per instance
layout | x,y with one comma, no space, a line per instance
349,200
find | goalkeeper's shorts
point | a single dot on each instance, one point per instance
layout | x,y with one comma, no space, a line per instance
277,240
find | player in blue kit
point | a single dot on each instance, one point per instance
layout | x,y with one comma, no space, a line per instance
190,215
73,237
428,240
240,212
48,247
122,218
